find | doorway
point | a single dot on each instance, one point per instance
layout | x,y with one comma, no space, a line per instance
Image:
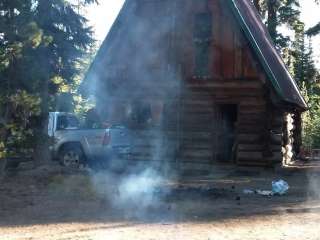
227,116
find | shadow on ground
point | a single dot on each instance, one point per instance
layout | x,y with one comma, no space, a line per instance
51,195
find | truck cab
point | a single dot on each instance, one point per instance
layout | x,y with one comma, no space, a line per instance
74,145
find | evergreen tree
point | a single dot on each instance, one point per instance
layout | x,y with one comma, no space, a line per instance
315,29
277,13
306,76
299,53
17,33
298,56
42,43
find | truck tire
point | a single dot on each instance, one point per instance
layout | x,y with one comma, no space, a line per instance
3,163
12,165
71,156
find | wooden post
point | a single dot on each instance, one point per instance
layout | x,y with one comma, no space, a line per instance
288,151
297,133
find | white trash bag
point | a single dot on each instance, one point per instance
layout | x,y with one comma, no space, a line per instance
280,187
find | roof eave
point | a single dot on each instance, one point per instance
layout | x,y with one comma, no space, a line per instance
237,13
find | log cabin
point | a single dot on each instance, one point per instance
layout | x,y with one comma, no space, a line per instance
198,82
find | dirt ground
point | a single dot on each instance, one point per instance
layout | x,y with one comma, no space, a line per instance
55,204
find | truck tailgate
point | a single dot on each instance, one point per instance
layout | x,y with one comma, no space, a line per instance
119,137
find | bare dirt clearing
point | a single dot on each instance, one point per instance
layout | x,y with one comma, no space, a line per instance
50,203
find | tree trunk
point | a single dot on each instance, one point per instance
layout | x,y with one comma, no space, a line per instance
42,153
257,5
272,19
297,133
3,138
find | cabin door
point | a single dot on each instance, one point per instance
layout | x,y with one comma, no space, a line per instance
224,131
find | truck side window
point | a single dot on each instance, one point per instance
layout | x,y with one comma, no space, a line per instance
67,122
61,122
73,122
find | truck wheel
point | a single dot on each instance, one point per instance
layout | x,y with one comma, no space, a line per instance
12,165
71,156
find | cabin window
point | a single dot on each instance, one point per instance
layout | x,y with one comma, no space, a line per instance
202,40
141,113
145,114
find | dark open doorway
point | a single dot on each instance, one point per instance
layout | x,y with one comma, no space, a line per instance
227,116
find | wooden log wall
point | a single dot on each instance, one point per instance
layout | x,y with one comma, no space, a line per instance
274,134
189,130
191,127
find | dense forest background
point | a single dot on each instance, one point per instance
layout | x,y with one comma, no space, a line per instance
46,47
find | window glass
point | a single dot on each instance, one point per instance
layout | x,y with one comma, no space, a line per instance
67,122
141,112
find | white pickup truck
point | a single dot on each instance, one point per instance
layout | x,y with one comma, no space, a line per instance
99,148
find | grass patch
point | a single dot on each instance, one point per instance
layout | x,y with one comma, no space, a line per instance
78,187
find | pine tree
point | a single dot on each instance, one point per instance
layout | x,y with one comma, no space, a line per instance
298,56
17,33
315,30
299,52
42,43
305,71
306,76
311,71
277,13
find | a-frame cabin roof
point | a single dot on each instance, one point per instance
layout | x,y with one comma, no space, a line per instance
255,31
259,37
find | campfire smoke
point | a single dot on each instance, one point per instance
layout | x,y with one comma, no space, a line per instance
134,71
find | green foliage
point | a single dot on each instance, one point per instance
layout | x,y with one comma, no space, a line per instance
298,56
307,77
311,118
311,125
20,135
303,64
278,13
315,30
42,44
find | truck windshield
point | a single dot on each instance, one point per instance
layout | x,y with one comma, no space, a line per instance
67,122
